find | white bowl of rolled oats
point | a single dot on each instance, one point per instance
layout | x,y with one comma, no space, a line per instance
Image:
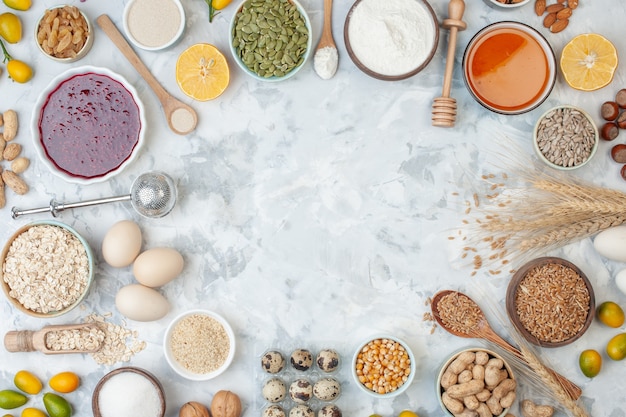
64,33
199,345
47,268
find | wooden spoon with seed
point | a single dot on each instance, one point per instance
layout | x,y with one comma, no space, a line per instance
475,325
181,118
30,341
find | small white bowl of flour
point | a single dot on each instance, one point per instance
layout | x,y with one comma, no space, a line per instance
154,24
393,39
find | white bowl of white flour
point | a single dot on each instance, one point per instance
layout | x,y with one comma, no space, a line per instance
392,39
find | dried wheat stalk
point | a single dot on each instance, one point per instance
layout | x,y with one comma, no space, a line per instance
541,212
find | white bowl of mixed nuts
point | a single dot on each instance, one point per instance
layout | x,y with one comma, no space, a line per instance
47,269
64,33
383,366
565,137
508,4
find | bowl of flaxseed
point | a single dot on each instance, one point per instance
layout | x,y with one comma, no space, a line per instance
199,344
565,137
550,301
47,268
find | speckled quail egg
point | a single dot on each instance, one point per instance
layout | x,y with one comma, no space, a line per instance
273,362
301,410
301,390
274,390
329,411
274,411
301,359
327,360
326,389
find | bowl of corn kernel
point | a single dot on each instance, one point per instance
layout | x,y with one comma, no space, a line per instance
383,366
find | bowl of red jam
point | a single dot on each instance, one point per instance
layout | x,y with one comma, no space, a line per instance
88,124
509,67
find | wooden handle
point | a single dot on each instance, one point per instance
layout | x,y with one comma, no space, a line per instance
116,37
327,31
19,341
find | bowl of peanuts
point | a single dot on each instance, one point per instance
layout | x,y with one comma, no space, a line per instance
476,380
383,366
64,33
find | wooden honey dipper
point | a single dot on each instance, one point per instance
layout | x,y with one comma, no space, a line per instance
444,107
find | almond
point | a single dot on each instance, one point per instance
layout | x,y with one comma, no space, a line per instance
11,151
549,20
14,182
554,8
540,7
572,4
559,25
564,14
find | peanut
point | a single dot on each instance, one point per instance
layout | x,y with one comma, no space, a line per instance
471,402
460,363
11,151
1,118
10,125
3,199
448,379
452,404
14,182
3,145
530,409
468,388
20,164
465,376
483,410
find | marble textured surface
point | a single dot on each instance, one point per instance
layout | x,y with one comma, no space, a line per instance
311,213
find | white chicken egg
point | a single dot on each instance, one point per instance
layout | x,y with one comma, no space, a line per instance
620,280
158,266
140,303
611,243
122,244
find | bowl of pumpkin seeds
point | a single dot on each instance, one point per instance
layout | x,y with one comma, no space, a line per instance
270,39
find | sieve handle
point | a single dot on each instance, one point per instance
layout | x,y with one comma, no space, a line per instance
56,207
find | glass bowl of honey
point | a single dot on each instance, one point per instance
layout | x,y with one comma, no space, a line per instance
509,67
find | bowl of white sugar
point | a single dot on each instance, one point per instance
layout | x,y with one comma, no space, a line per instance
154,24
391,40
128,392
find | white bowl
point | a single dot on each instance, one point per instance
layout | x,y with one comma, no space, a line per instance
503,91
150,21
101,147
543,157
508,5
90,259
178,367
86,47
399,390
447,363
244,67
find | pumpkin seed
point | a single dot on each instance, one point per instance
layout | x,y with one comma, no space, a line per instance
270,37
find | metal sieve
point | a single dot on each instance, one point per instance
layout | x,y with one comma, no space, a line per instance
152,194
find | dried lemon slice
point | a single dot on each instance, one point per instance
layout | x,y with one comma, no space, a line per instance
202,72
588,62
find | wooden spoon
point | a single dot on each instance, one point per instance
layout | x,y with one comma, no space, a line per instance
326,41
181,118
482,330
30,341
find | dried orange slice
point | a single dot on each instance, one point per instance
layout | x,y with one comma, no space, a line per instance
202,72
588,62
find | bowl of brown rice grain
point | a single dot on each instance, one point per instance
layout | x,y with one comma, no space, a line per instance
199,344
47,268
550,301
